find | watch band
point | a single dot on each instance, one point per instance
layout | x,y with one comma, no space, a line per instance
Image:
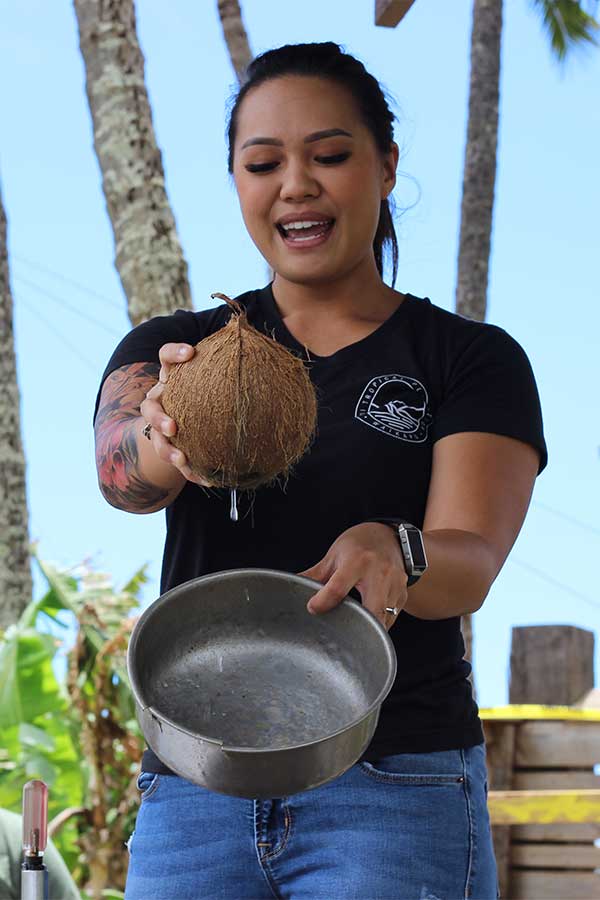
411,543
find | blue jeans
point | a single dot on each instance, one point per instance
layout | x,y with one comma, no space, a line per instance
414,826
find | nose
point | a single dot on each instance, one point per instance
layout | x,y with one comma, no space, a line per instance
297,182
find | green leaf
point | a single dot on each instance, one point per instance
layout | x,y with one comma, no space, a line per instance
136,582
35,737
567,24
28,686
37,766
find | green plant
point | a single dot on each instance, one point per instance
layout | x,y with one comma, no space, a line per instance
77,733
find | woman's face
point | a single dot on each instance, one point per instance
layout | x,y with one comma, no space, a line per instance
288,165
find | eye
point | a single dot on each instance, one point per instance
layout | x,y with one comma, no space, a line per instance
331,160
257,168
260,167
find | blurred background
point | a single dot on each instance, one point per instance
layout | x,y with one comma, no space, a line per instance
70,309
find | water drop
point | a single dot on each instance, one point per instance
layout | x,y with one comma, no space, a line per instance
233,512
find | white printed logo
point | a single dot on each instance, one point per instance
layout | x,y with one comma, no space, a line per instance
395,405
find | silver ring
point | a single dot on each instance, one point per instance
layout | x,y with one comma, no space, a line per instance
146,430
391,610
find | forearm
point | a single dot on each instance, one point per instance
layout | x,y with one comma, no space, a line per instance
461,570
130,474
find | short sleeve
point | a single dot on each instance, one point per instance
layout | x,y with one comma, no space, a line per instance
491,388
142,343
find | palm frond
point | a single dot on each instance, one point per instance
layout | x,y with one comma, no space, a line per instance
568,23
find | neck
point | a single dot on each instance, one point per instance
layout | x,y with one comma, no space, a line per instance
359,294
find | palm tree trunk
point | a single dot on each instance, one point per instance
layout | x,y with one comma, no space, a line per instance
15,566
479,178
480,160
238,45
149,257
235,36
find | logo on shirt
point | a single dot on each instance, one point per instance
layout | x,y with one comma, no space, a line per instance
395,405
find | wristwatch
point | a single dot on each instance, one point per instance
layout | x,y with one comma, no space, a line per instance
412,546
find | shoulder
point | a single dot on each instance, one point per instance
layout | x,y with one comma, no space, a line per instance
192,326
451,335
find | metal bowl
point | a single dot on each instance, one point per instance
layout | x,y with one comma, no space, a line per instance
241,690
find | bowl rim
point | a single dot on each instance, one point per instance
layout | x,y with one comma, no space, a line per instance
165,598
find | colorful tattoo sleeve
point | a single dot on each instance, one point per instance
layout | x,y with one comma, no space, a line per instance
117,460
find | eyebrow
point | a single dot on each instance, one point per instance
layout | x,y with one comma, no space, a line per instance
315,136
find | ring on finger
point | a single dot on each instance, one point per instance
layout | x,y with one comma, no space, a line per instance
146,430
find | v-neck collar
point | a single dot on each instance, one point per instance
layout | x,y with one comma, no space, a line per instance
274,322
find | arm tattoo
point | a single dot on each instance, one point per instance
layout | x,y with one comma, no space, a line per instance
121,481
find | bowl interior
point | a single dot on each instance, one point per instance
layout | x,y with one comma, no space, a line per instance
236,657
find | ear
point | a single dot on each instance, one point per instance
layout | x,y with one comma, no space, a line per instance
390,164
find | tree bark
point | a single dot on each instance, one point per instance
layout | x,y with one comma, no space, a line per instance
480,160
238,45
235,36
15,565
479,178
148,254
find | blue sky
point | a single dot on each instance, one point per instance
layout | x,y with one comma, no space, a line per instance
70,309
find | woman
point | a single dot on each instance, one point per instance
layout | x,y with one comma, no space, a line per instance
426,419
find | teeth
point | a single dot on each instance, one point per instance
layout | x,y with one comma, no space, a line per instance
299,225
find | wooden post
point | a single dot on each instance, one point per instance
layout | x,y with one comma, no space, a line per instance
500,749
551,664
389,12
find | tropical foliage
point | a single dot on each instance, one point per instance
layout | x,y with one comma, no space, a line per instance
67,716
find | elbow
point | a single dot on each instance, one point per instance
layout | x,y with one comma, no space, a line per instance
475,603
139,499
481,583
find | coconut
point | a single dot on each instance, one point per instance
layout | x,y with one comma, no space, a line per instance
244,406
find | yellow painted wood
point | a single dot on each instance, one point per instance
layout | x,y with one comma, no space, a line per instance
552,885
539,807
524,711
548,745
551,856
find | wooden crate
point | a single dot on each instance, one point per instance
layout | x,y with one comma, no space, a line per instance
558,860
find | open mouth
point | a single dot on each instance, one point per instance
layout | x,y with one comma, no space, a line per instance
305,234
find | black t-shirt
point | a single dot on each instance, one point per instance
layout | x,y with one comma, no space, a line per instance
383,402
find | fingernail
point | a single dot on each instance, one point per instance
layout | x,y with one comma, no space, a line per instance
166,425
182,351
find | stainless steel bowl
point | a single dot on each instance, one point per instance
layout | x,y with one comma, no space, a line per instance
241,690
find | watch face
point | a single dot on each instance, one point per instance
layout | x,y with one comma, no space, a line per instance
416,549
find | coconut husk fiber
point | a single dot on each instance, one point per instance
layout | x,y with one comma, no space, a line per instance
244,406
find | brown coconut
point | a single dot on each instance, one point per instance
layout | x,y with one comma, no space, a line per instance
244,406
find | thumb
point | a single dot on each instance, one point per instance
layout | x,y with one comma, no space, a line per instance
317,572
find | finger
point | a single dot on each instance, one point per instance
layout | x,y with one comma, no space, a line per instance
163,448
171,354
396,600
332,594
155,391
175,353
317,572
191,476
375,590
154,414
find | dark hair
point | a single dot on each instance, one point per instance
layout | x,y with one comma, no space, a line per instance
327,60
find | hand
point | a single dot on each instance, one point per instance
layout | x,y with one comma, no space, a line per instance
368,557
163,426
